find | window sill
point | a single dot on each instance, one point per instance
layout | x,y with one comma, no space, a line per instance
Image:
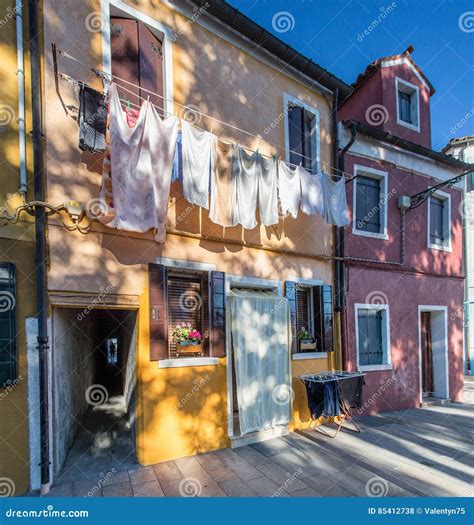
374,368
182,362
440,247
373,235
409,125
301,356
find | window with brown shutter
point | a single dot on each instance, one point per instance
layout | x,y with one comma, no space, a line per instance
185,305
311,307
302,143
137,57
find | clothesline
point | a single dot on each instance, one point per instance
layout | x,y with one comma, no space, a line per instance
101,73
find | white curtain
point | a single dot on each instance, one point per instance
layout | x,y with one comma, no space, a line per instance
261,338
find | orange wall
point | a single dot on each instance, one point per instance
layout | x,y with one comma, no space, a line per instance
233,86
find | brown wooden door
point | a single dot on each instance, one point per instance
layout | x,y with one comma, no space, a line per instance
426,354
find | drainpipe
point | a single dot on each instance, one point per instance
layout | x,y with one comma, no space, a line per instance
339,252
40,237
21,95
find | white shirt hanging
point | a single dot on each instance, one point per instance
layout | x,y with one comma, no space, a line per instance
335,201
289,189
246,167
141,163
199,161
267,191
312,199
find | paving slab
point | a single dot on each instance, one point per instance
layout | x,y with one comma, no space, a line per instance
148,489
142,475
237,488
118,490
288,480
266,487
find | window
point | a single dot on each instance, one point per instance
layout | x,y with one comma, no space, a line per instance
439,221
112,351
408,96
137,57
8,336
190,294
311,310
302,134
185,305
372,336
370,202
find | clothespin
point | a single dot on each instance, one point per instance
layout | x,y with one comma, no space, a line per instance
128,104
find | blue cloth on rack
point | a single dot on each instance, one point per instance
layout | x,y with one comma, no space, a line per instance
331,398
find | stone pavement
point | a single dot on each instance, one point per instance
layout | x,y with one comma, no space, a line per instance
416,452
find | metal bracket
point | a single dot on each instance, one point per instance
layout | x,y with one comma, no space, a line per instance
419,198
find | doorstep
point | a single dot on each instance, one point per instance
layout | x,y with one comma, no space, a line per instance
259,436
430,401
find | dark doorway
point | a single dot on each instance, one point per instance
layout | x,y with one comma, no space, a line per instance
94,384
426,355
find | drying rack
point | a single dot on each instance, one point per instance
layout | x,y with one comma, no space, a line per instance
345,417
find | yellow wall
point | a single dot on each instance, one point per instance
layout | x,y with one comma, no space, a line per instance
233,86
17,247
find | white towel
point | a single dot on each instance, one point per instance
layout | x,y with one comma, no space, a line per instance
141,163
222,210
289,189
199,160
246,168
335,202
267,191
312,199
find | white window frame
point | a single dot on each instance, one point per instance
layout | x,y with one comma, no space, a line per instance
387,365
400,83
315,133
383,177
445,197
117,7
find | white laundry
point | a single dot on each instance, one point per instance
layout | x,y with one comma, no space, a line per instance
222,209
267,191
141,164
246,168
335,201
289,189
199,161
312,199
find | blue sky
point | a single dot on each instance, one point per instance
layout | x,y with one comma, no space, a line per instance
331,32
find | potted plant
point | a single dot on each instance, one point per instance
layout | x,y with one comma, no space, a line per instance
306,340
188,340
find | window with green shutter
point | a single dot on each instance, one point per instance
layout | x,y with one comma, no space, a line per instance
8,335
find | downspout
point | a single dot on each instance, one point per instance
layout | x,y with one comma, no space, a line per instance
40,237
340,253
21,95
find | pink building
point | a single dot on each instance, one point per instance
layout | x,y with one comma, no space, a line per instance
403,273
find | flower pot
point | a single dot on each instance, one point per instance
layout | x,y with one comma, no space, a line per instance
307,344
189,348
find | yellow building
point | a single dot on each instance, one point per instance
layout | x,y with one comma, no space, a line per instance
17,268
116,296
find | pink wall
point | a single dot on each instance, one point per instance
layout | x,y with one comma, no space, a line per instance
379,90
418,255
403,293
423,280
